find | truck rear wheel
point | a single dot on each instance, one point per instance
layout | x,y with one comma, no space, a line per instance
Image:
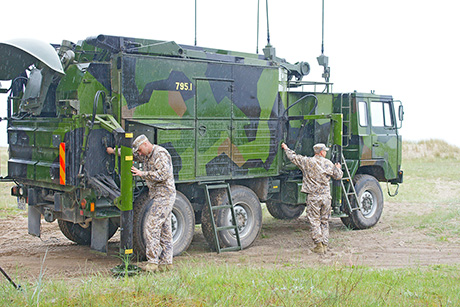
81,234
371,198
284,211
248,214
182,218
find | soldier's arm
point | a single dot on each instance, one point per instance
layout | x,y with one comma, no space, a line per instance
292,156
337,172
332,170
111,151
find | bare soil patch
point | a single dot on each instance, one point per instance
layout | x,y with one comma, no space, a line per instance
282,244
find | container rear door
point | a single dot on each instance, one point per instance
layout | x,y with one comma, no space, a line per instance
213,129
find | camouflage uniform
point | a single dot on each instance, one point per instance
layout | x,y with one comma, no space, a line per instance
158,174
317,172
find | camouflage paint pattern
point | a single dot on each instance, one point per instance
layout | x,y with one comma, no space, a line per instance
216,112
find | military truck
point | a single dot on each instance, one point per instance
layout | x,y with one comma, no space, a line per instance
222,116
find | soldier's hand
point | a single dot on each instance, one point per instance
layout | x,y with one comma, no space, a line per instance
284,146
110,150
136,172
338,165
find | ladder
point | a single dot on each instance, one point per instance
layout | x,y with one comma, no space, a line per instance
230,206
348,188
345,104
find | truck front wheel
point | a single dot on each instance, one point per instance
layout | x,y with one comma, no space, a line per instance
370,197
248,214
182,222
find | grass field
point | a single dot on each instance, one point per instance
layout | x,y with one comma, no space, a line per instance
431,177
7,202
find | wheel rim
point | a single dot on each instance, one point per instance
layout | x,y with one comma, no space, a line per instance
176,227
243,218
368,204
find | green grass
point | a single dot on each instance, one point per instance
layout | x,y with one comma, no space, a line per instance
431,188
431,174
442,223
201,284
8,203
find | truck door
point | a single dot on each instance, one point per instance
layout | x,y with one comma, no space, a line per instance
213,127
384,135
364,130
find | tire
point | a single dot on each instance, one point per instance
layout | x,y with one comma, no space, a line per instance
371,198
183,224
284,211
248,214
82,234
348,222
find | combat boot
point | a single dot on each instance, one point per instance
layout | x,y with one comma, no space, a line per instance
165,267
151,268
319,248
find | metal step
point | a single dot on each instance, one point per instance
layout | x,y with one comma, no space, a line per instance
348,188
214,186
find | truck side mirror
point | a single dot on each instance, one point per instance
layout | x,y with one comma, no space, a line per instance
401,112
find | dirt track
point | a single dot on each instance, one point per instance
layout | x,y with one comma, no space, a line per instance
282,244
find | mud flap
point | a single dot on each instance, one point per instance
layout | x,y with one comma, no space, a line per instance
100,235
34,215
34,220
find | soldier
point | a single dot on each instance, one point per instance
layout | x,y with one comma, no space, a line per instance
317,171
158,174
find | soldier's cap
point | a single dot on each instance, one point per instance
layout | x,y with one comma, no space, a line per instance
319,147
138,142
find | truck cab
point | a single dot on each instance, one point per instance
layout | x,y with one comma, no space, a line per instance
377,126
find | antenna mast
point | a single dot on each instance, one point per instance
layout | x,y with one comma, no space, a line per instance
269,51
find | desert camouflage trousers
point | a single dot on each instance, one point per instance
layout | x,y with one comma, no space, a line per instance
318,214
158,231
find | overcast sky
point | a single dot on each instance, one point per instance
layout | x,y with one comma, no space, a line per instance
406,49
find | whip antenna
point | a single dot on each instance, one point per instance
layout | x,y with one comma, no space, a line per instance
257,43
269,50
322,31
268,28
195,22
